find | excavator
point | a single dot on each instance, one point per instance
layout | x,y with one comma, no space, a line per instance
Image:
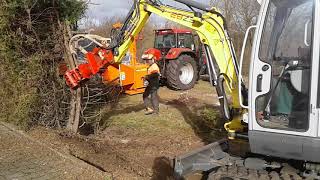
277,114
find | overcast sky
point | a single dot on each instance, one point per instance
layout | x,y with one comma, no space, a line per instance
101,9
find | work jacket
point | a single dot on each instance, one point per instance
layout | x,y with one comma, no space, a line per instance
153,75
153,68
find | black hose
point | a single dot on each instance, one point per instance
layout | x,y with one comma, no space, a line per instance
129,16
241,136
194,4
119,37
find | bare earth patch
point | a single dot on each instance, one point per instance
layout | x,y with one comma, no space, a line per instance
134,146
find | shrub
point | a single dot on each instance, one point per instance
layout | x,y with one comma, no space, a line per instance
31,48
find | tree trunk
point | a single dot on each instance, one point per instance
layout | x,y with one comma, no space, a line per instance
75,102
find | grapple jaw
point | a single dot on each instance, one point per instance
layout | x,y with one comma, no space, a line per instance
73,78
96,62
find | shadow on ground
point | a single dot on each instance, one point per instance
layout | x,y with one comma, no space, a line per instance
207,124
120,111
204,119
116,109
162,169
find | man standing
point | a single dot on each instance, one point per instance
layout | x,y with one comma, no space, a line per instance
150,95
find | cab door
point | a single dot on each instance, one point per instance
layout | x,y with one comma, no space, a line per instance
284,78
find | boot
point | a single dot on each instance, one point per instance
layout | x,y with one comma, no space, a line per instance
148,111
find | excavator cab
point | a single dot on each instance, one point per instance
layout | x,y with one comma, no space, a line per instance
282,114
284,79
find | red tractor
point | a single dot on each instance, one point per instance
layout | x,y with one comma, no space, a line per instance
179,57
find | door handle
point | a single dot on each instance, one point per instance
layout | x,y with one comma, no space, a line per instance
306,33
240,66
259,83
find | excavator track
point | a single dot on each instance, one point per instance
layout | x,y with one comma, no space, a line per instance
242,173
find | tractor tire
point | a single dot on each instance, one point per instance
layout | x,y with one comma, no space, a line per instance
242,173
182,73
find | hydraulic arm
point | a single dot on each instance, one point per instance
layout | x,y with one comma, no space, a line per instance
287,128
210,26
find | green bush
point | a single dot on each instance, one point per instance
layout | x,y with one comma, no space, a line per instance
212,118
30,36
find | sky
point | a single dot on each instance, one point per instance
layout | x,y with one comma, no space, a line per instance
101,9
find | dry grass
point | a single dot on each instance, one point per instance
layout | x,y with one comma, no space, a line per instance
135,146
180,112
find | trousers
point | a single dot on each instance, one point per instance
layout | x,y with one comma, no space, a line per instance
150,97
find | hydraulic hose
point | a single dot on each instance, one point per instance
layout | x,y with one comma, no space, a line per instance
195,5
119,37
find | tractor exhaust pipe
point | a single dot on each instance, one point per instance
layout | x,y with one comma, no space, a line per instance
194,4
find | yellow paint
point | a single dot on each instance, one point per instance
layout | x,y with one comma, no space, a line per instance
210,29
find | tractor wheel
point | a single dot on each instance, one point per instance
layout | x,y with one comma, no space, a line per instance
182,73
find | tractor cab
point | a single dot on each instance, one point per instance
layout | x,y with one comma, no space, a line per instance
166,39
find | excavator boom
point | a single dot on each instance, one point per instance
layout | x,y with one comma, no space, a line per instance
286,36
210,26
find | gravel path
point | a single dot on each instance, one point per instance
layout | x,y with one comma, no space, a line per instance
22,157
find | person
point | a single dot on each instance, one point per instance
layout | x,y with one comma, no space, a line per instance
150,95
181,43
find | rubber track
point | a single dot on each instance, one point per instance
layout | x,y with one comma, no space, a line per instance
242,173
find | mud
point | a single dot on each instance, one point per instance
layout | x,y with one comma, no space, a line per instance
133,146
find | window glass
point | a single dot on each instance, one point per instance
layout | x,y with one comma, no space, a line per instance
286,46
185,41
165,40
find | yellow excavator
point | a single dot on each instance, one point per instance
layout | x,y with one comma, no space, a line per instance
277,114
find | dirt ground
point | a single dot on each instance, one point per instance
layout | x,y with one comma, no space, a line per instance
134,146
